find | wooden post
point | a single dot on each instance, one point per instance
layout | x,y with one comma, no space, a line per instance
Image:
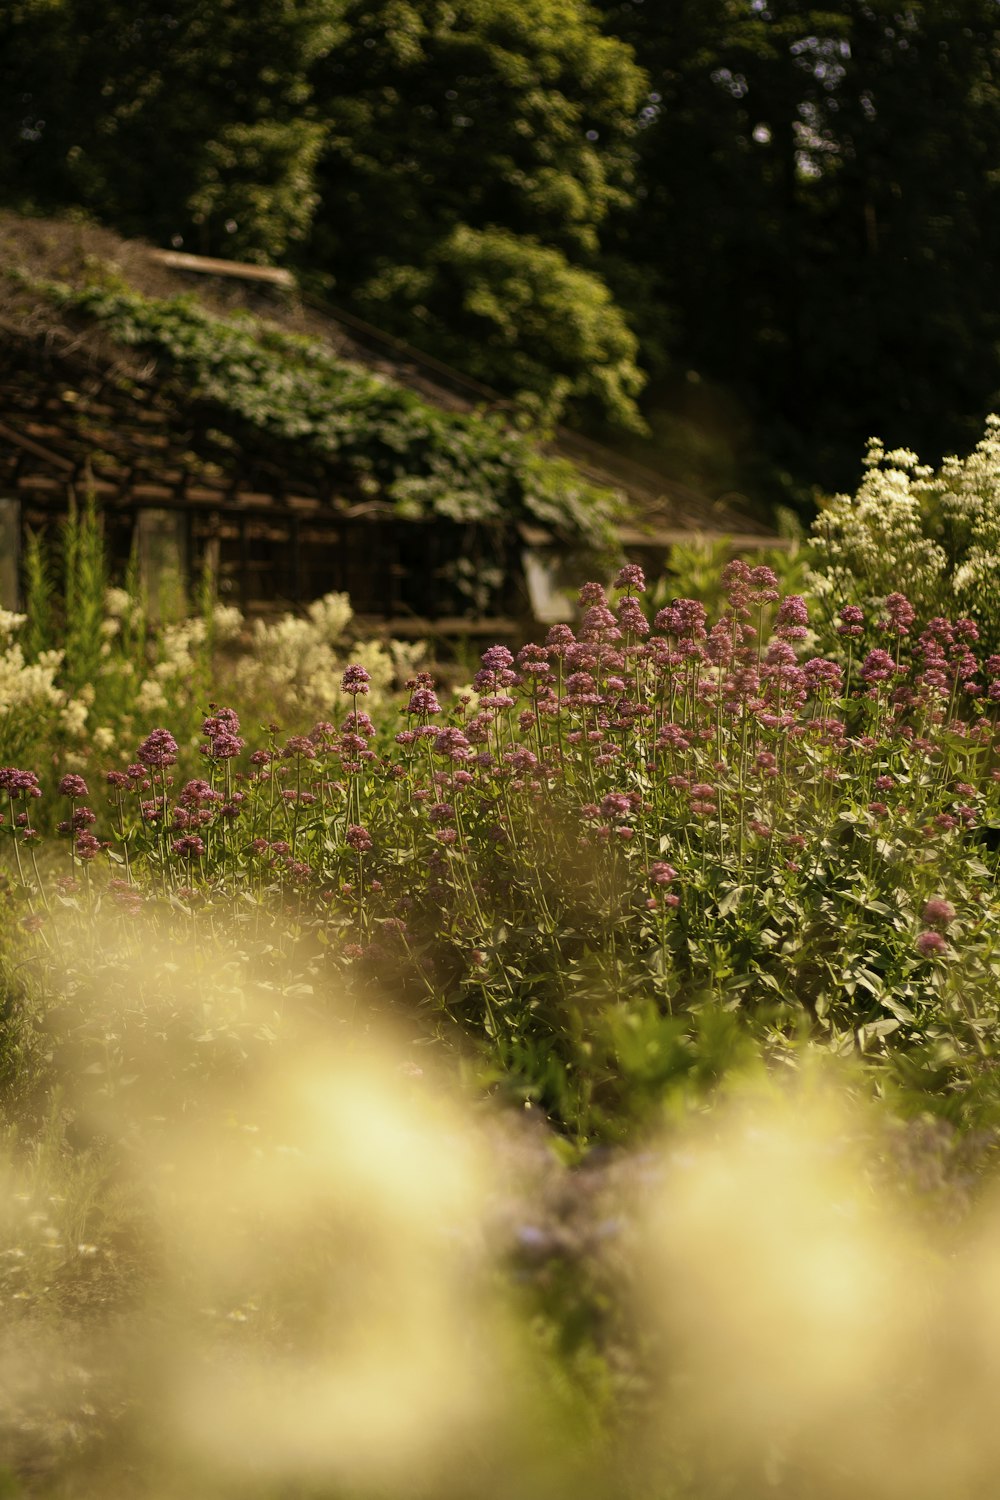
296,550
244,563
162,561
10,554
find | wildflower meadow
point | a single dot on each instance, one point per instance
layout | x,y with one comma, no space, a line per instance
510,1084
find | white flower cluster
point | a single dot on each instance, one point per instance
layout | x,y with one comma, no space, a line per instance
292,663
180,645
299,661
932,535
23,684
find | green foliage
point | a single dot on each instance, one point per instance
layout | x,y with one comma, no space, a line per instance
496,140
610,876
818,213
518,116
193,123
39,595
257,187
291,389
792,208
518,315
932,534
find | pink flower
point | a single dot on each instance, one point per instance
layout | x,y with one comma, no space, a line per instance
793,618
358,838
900,612
497,659
19,783
631,617
158,749
736,574
851,621
221,721
423,699
780,654
299,744
223,746
930,943
938,912
631,576
190,847
73,786
763,585
592,593
198,794
878,666
87,846
355,679
454,744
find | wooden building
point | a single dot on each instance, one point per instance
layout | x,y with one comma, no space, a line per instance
181,490
180,484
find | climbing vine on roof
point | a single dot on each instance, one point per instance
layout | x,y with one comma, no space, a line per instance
469,467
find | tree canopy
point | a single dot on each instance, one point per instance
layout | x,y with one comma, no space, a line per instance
782,217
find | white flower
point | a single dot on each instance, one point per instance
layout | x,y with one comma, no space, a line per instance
150,696
118,603
934,536
74,717
227,621
24,685
293,660
10,624
331,616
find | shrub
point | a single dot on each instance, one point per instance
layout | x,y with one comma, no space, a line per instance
933,535
618,856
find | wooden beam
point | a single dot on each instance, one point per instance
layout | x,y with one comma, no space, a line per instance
450,625
177,260
21,441
737,541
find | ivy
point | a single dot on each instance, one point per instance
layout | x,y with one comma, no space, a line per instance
468,467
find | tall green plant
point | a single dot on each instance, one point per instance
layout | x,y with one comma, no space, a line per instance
85,587
39,596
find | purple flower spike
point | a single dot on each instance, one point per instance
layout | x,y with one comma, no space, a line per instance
938,912
355,679
19,783
158,749
851,621
900,612
631,576
878,666
497,659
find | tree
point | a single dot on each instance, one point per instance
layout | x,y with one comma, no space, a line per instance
454,129
818,205
191,122
518,315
